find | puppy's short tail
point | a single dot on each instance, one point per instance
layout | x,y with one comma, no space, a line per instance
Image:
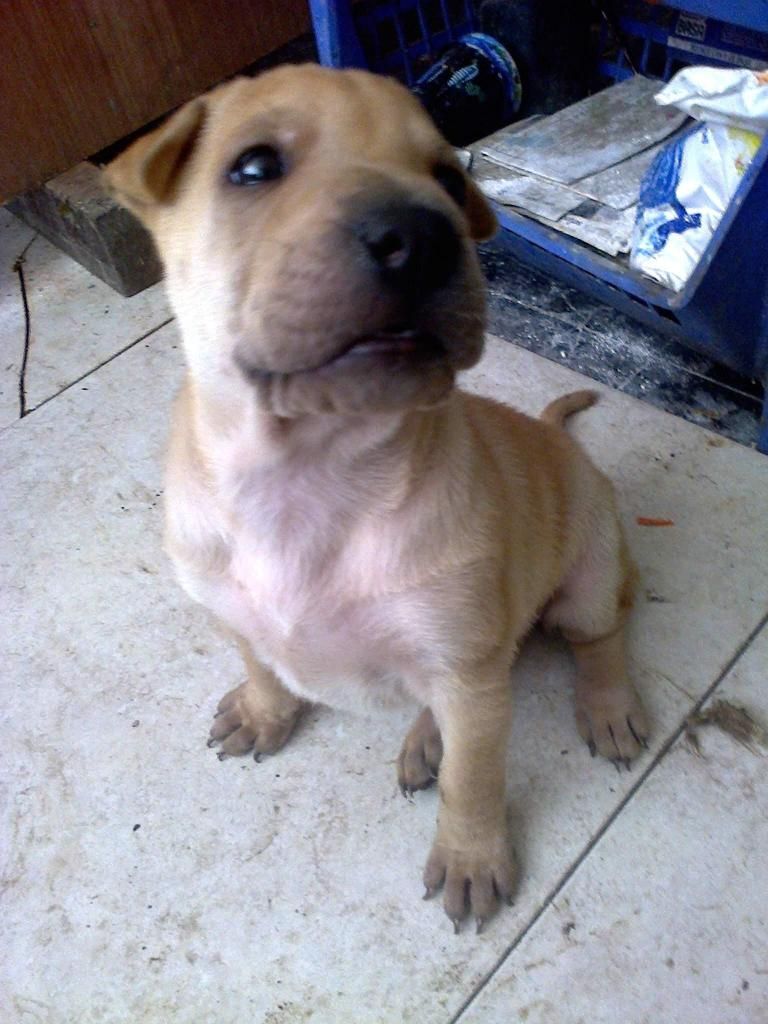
558,411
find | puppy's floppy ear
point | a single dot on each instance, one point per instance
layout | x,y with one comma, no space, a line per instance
149,171
482,220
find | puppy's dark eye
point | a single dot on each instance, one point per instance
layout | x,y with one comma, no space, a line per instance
256,165
453,181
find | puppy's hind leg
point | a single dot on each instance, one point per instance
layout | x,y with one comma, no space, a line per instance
591,610
257,716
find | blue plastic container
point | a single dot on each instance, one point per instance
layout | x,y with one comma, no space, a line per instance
723,309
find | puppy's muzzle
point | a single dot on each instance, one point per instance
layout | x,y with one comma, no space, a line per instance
403,256
389,306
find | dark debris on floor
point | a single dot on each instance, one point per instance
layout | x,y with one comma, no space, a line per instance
567,326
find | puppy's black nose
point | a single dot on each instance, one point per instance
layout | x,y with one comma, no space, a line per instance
413,248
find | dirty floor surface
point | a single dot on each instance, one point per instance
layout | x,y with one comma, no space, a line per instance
144,880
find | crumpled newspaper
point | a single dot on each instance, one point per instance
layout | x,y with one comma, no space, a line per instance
691,182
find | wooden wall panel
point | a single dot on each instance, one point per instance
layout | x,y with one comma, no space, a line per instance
76,75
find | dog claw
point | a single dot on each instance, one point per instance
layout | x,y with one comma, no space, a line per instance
456,921
632,730
479,925
211,742
592,746
222,755
616,762
257,757
616,747
627,764
429,892
644,743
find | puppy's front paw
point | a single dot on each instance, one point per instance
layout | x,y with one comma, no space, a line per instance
473,880
241,727
613,723
420,755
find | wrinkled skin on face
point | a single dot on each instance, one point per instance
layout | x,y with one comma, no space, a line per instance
274,280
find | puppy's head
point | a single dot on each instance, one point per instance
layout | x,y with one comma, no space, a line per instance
318,239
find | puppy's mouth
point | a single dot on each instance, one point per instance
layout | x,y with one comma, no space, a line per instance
386,348
394,342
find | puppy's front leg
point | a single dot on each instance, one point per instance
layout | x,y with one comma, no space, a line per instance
259,715
471,856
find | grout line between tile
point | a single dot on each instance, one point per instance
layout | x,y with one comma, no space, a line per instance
104,362
593,842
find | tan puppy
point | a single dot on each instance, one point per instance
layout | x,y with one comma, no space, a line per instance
361,525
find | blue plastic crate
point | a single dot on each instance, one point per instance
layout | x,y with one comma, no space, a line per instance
399,38
723,309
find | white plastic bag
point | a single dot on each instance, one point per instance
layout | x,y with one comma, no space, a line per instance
683,197
735,97
691,182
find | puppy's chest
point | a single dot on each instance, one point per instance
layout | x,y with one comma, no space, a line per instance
306,616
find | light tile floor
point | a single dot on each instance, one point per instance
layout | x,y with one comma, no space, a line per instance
143,880
78,322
